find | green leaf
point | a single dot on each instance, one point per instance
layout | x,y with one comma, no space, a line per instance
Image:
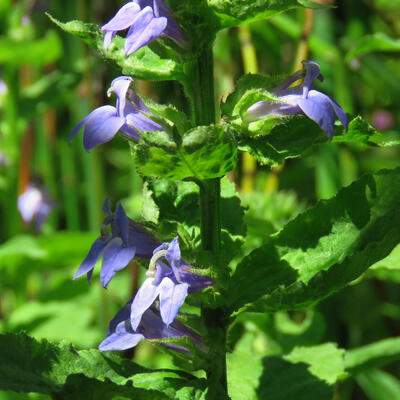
379,385
236,12
292,138
169,113
178,202
326,361
144,64
246,86
205,152
361,132
286,140
372,43
80,387
272,378
27,365
37,52
373,355
323,249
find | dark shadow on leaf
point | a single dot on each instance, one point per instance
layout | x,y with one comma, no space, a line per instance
259,274
25,364
282,380
80,387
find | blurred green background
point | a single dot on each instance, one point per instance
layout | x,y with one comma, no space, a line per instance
49,81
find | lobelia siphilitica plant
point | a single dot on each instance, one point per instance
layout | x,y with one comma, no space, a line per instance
173,149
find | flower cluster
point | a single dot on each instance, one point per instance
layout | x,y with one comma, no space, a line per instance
171,284
301,99
146,20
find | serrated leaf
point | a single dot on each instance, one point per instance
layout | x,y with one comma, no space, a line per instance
236,12
296,135
323,249
206,152
372,43
27,365
144,64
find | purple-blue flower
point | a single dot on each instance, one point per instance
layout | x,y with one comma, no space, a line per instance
301,99
171,284
118,247
35,204
147,20
128,117
121,335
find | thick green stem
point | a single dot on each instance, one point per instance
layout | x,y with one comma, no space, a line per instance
201,92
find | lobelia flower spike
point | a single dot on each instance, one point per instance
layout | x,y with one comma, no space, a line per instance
126,240
301,99
171,285
121,335
147,20
127,117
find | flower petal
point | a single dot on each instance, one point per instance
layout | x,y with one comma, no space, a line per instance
172,297
123,18
121,340
116,257
101,126
142,123
144,30
121,221
143,241
196,282
120,87
263,109
340,113
122,315
130,132
108,37
93,256
318,108
312,72
174,258
144,298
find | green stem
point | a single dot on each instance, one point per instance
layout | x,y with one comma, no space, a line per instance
211,216
201,92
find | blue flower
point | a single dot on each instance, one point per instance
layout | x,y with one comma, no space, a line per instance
171,285
35,204
121,335
147,20
301,99
103,123
126,240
